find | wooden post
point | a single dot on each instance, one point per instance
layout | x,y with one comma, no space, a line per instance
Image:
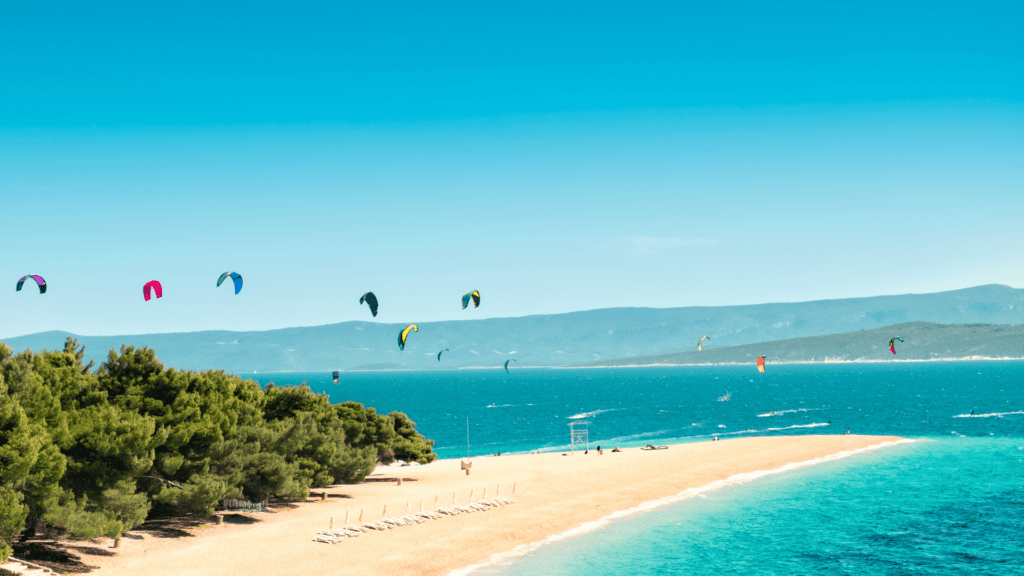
384,514
514,487
346,516
435,501
360,515
332,522
471,495
484,497
499,489
421,504
455,499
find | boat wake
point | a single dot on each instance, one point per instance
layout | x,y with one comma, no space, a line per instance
781,412
762,430
992,415
590,414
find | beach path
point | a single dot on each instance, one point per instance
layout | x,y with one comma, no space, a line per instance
554,494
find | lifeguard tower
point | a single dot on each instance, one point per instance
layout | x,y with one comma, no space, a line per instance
579,434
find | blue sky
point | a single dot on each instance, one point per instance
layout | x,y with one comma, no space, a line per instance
555,158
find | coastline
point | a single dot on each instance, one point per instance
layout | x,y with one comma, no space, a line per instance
784,362
654,365
556,496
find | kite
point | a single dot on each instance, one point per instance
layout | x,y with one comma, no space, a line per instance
405,334
371,301
506,364
39,280
234,276
439,354
152,286
475,295
700,343
892,343
760,363
335,376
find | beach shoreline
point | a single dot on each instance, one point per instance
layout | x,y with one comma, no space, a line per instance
555,496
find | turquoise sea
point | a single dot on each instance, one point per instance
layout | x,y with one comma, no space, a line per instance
950,502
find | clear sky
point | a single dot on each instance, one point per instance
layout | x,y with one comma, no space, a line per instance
555,157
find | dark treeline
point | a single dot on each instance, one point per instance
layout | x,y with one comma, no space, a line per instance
94,452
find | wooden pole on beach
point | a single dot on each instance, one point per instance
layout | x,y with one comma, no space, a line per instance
454,499
435,501
499,489
346,516
332,522
514,487
484,497
408,505
471,495
384,514
360,515
421,504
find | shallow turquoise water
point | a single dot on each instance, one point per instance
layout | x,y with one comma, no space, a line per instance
951,502
946,506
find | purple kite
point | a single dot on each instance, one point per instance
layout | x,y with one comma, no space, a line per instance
39,280
152,286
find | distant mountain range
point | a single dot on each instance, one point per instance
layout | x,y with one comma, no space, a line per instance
921,341
564,339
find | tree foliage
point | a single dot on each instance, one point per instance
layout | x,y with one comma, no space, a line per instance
93,452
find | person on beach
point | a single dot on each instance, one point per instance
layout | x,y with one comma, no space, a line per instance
847,430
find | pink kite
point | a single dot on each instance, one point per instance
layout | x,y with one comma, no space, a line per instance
152,286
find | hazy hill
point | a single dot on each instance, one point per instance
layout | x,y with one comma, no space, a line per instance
550,340
922,341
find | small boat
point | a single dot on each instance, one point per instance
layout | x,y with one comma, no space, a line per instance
726,397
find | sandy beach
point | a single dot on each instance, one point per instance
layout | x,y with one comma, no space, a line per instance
553,494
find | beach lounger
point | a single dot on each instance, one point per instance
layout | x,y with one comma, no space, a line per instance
341,532
354,528
447,511
479,508
504,500
412,518
428,515
376,526
463,509
327,538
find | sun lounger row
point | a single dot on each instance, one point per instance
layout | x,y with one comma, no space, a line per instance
349,531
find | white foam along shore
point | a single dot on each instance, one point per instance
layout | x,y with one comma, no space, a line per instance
523,550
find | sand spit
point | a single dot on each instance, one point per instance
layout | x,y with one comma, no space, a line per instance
554,494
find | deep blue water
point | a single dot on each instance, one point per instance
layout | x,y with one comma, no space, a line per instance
530,409
950,502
